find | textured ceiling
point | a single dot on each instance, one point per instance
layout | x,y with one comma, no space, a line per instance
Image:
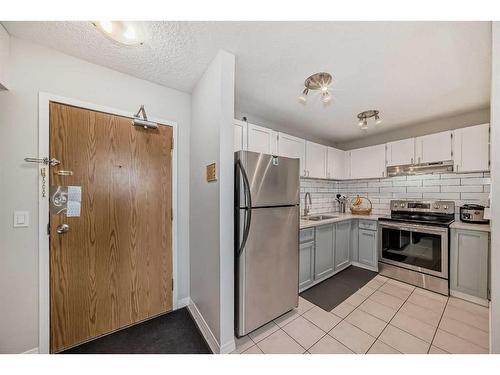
410,71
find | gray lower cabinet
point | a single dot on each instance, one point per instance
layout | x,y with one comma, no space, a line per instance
342,247
329,248
324,259
353,244
306,265
469,254
367,247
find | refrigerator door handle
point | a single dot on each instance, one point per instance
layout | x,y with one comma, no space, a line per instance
248,211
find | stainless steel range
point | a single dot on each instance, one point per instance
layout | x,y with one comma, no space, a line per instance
414,243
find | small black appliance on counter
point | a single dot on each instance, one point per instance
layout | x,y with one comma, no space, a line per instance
473,213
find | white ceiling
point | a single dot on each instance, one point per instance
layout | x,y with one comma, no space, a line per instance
410,71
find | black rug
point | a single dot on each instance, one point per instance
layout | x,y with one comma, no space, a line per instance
172,333
336,289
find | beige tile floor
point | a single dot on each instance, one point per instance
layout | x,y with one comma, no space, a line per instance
385,317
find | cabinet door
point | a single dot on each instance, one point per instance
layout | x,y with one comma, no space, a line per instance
367,250
342,240
315,160
335,163
306,265
471,148
240,135
262,140
293,147
368,162
401,152
324,249
433,147
353,244
469,262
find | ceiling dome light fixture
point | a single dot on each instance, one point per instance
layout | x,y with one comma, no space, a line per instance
124,32
320,82
365,115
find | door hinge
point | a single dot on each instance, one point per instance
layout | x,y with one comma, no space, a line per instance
488,294
48,229
172,284
172,213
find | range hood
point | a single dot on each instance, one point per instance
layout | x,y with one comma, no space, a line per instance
422,168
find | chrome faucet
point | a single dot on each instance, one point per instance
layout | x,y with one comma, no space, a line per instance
306,206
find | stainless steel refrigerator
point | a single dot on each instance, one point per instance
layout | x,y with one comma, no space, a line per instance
266,238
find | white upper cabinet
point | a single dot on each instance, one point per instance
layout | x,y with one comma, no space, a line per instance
471,148
293,147
433,147
367,162
335,164
262,139
240,135
315,160
401,152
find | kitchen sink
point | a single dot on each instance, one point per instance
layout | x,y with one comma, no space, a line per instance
320,217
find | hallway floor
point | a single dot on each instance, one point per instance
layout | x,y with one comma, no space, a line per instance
384,316
172,333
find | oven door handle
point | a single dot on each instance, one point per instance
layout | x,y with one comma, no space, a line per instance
414,228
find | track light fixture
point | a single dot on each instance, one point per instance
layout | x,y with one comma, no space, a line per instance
317,82
365,115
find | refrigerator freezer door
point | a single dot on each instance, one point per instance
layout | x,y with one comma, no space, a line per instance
268,267
273,180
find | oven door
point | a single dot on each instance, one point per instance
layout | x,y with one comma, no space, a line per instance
417,247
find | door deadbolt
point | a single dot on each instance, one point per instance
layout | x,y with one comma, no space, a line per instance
62,228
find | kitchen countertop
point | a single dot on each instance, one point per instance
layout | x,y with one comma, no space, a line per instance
470,226
339,217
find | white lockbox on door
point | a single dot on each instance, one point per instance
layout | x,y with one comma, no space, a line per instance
21,219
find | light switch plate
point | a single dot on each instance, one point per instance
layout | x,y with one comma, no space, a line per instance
21,219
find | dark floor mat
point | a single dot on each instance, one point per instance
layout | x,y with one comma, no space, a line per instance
336,289
172,333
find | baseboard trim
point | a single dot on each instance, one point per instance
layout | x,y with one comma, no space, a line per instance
184,302
468,297
361,265
204,328
31,351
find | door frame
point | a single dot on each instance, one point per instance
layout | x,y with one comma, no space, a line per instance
43,207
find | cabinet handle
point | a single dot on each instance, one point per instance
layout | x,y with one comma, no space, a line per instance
411,160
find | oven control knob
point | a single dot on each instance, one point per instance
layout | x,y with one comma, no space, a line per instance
402,205
445,207
436,206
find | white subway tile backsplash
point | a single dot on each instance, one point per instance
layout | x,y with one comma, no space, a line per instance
460,187
441,196
407,183
479,196
407,196
393,189
423,189
476,181
442,181
379,183
425,177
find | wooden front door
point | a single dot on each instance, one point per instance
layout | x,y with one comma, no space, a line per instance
113,267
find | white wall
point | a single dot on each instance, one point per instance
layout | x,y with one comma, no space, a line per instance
495,192
211,203
33,68
4,55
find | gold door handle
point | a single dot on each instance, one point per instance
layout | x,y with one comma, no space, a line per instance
64,173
